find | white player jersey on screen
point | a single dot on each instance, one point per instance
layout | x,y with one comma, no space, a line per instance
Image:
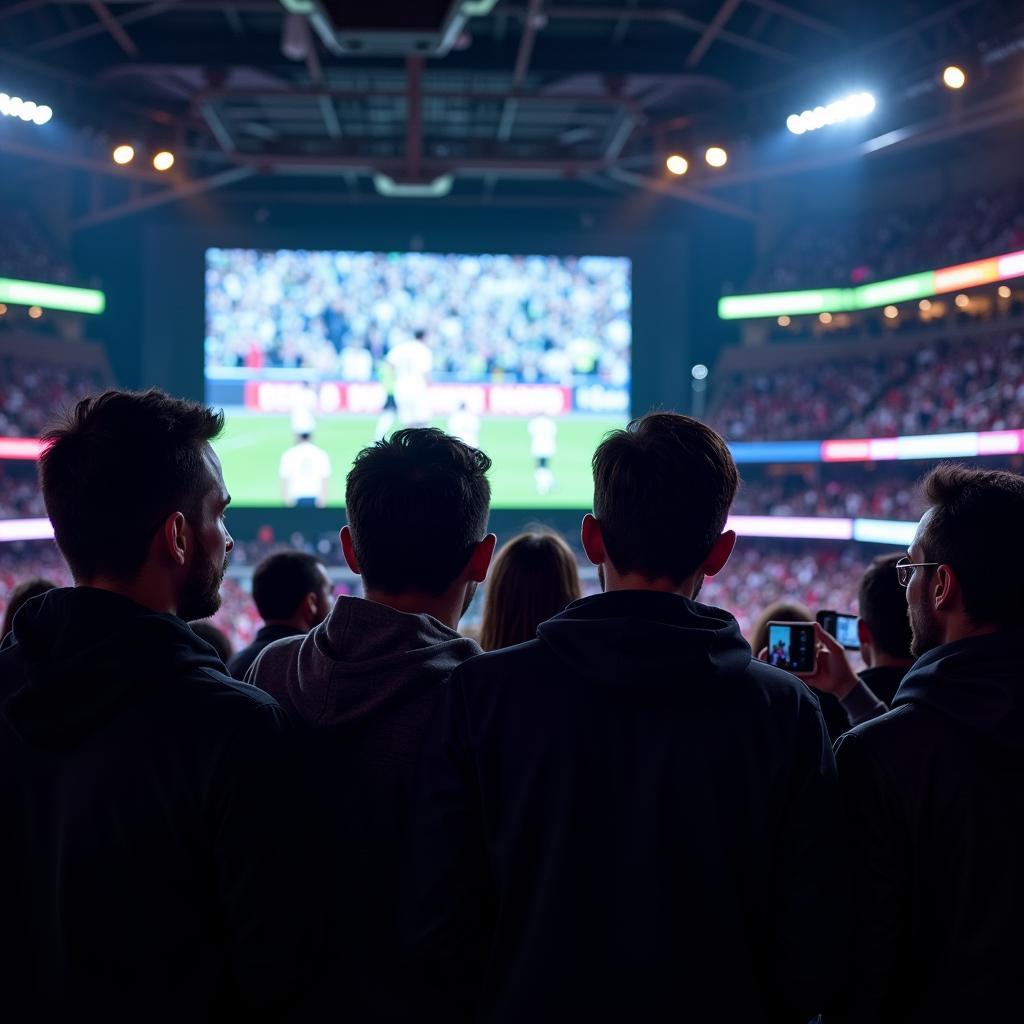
412,360
543,435
465,426
304,405
304,468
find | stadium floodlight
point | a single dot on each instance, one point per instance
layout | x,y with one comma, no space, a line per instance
677,164
853,107
699,371
716,156
25,110
123,154
954,77
163,161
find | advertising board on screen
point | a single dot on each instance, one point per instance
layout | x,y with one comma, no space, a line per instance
316,354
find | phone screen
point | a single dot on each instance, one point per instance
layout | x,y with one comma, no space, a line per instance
791,646
842,627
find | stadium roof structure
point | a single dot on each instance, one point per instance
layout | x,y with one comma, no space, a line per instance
471,100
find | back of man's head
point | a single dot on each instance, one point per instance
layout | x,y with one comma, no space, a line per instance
282,581
882,606
417,506
115,467
973,526
662,492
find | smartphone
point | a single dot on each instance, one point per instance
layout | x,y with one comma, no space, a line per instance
791,646
842,627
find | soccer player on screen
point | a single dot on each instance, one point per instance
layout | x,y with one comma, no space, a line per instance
305,405
305,473
412,362
465,425
543,441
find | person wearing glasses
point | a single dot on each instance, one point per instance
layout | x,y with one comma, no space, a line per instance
934,789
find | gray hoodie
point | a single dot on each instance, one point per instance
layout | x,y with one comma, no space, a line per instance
363,684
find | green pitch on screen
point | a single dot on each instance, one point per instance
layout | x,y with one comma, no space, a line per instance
252,444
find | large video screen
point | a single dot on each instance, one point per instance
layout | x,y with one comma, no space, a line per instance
315,355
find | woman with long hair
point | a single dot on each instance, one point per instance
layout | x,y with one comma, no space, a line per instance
534,576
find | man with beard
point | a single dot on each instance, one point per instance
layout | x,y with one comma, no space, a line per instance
628,818
145,795
935,788
364,683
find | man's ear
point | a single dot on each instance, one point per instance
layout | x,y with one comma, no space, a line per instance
480,561
348,549
174,538
593,540
720,553
864,633
945,589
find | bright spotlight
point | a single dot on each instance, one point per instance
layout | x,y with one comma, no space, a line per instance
3,309
954,77
854,106
716,156
677,164
783,321
825,318
1004,291
891,312
962,301
699,372
35,312
163,161
26,110
924,305
123,154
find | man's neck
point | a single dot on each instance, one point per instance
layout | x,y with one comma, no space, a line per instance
881,660
141,591
635,581
446,607
295,622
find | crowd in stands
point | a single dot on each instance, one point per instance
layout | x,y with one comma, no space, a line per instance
946,386
521,319
26,251
620,811
32,391
850,250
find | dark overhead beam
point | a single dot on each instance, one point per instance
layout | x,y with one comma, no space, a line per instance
115,28
316,74
106,23
413,116
21,8
165,195
668,16
683,194
522,64
217,127
714,29
799,17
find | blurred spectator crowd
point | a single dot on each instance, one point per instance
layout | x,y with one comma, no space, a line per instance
946,386
818,251
33,391
527,319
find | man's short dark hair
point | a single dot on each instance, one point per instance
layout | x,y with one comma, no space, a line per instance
662,492
115,467
417,505
974,528
882,604
282,581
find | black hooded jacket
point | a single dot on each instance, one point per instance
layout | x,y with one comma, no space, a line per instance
625,819
935,797
155,857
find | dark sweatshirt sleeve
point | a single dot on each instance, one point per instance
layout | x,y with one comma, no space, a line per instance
445,902
269,864
879,865
810,917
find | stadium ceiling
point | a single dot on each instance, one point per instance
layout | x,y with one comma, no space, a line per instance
473,98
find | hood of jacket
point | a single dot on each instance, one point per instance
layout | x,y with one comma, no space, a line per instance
978,682
84,654
661,646
362,660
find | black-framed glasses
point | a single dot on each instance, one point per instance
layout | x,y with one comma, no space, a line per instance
905,569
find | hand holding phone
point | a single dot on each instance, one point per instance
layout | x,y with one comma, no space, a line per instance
843,627
792,646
